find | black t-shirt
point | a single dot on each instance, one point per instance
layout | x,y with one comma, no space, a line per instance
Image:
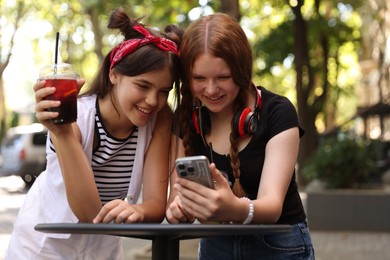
277,115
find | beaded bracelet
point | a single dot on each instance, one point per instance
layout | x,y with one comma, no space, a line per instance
249,218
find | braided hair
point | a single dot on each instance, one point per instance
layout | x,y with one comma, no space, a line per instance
221,36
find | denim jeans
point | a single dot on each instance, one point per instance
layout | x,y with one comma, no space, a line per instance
295,244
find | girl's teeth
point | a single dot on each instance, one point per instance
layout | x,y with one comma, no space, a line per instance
143,110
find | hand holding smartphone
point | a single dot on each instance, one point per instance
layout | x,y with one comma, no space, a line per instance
195,168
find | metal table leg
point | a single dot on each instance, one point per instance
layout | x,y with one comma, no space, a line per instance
165,247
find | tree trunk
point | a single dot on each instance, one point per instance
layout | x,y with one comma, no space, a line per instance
232,8
19,12
304,84
93,14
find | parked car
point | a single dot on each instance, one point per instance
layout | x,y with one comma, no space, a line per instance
23,149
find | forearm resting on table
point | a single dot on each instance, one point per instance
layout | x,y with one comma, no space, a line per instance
266,210
153,210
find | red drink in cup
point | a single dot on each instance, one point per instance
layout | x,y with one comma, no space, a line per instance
64,79
66,92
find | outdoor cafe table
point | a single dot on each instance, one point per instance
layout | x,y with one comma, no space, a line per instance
165,237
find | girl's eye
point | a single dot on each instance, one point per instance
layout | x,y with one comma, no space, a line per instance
198,78
225,77
143,86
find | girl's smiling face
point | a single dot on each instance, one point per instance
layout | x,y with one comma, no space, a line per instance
212,83
138,97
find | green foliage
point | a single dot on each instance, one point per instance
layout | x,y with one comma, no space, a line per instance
275,47
15,119
343,162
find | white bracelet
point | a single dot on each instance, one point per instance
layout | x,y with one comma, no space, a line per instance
249,218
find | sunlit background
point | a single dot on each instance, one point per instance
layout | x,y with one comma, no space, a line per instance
23,68
336,62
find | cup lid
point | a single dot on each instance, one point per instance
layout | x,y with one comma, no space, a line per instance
58,70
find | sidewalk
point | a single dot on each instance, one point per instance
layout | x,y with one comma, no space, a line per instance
327,246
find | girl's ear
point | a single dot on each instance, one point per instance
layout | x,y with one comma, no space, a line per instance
113,77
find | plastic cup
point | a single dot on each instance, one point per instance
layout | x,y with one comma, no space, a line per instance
64,78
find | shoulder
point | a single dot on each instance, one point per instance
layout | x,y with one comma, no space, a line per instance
276,105
86,101
86,107
270,99
278,112
86,114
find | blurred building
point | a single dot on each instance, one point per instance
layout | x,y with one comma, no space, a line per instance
373,112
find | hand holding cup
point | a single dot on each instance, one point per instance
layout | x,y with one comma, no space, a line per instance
64,78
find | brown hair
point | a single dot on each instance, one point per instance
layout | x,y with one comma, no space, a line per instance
221,36
145,59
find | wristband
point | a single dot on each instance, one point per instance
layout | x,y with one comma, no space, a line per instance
249,218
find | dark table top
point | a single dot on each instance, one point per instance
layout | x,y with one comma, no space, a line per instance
150,231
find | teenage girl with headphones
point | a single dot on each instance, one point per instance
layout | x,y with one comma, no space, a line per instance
247,132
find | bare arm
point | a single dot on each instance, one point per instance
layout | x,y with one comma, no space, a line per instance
77,173
81,190
155,181
155,178
281,156
220,204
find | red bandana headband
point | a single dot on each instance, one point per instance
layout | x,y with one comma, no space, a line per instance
126,47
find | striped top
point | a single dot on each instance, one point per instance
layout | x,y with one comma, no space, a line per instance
112,162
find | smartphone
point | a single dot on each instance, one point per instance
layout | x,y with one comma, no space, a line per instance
195,168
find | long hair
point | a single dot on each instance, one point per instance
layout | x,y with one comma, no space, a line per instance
221,36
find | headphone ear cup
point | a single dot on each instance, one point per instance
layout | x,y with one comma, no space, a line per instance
239,121
201,120
245,122
251,123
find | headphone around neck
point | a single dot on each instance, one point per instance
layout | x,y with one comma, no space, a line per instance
245,121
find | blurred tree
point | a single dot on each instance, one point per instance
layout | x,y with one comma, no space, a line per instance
303,49
231,7
84,36
319,65
10,19
321,39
